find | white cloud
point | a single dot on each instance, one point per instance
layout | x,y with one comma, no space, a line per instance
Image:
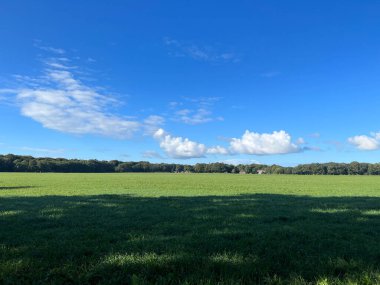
60,101
264,144
178,147
366,142
217,150
250,143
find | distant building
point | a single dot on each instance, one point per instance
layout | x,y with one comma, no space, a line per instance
261,171
242,172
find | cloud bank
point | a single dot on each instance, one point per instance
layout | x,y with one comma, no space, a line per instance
250,143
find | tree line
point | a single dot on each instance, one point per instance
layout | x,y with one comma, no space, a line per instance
20,163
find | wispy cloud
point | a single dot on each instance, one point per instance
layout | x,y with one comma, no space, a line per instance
153,123
151,154
338,145
237,161
194,117
194,111
38,150
270,74
313,148
68,105
59,100
198,52
5,98
42,150
41,46
63,97
315,135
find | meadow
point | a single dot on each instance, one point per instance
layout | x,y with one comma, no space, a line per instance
189,229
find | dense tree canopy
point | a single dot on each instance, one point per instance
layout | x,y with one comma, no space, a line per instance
18,163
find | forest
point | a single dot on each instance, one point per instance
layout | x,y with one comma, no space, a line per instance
19,163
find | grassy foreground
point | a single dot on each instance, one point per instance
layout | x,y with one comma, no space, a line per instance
188,229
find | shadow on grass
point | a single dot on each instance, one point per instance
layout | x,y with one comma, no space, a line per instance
15,187
245,239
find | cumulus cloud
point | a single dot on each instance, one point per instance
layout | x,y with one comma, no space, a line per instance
250,143
264,144
60,101
364,142
179,147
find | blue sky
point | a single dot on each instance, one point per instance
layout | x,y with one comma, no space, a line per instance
283,82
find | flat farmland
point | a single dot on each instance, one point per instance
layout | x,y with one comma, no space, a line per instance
189,229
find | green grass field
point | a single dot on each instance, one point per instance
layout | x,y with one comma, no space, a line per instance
188,229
